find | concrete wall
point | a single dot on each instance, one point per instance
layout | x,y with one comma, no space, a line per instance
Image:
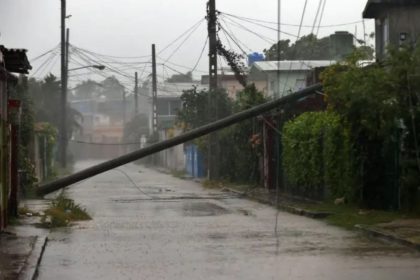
399,20
288,82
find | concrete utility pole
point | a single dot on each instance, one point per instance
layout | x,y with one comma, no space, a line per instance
213,146
188,136
63,102
124,108
154,89
67,56
212,30
136,94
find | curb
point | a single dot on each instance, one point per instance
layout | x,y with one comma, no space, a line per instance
286,208
30,270
375,232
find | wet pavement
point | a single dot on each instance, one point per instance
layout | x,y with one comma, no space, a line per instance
167,228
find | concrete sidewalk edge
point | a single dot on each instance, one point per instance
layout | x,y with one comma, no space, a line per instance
284,207
375,232
30,270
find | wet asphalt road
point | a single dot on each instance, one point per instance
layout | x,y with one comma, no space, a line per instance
167,228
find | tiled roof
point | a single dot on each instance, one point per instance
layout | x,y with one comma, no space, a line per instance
15,60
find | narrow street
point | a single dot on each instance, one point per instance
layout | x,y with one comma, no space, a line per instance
168,228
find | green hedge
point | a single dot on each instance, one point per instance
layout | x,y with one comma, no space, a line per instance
317,152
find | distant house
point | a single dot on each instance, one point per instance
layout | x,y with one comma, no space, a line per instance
169,102
226,80
397,22
279,78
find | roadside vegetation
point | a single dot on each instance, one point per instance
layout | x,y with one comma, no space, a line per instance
61,212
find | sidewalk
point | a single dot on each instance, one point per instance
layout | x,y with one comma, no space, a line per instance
402,231
21,246
405,232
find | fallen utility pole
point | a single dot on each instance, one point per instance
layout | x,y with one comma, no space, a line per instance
188,136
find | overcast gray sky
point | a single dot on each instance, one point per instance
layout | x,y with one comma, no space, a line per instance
129,27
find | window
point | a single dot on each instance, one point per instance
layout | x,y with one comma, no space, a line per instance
385,32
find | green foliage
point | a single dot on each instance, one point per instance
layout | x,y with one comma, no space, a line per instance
46,99
181,78
380,104
241,164
50,134
238,157
62,212
197,111
316,152
309,47
27,116
135,128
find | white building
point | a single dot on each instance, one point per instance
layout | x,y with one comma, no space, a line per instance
280,78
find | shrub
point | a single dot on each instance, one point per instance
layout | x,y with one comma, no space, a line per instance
317,153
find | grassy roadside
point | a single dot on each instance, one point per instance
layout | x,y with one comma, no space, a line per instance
347,216
343,215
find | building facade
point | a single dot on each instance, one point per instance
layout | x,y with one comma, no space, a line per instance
280,78
397,22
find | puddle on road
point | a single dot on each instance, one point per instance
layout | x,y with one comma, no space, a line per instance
203,209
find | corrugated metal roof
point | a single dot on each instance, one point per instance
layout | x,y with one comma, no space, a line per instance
373,6
291,65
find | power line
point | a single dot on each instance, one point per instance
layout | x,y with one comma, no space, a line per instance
289,24
179,65
183,42
229,33
321,17
233,40
264,38
111,56
44,54
265,26
180,36
45,63
294,53
201,54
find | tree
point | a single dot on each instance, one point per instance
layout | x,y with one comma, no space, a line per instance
46,98
380,105
135,128
87,90
241,161
309,47
181,78
112,88
195,110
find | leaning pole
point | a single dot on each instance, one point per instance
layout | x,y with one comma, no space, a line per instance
188,136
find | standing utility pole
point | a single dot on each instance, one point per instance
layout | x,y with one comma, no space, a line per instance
136,94
154,88
212,147
63,101
212,30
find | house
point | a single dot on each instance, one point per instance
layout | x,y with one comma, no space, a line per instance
279,78
226,80
102,126
397,22
16,61
168,104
